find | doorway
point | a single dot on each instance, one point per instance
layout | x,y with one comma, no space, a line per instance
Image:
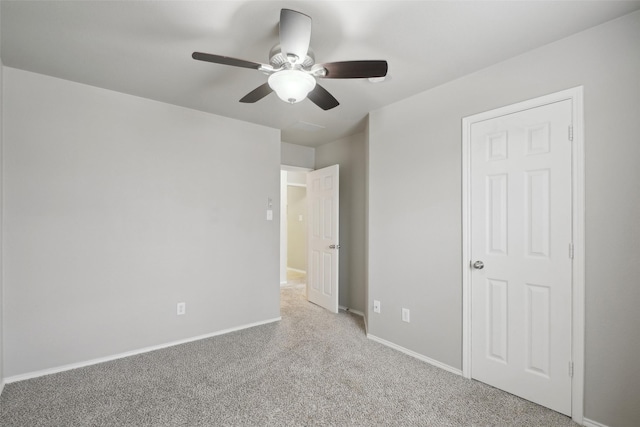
523,250
293,226
296,228
316,242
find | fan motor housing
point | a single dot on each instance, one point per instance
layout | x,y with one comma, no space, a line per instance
277,59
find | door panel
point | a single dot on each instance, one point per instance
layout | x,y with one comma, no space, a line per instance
497,320
322,277
521,231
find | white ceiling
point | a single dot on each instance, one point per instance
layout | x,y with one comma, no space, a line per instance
144,48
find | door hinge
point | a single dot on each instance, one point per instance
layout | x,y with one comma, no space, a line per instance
571,250
570,132
571,369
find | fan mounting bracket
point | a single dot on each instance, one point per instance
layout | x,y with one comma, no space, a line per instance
268,69
318,71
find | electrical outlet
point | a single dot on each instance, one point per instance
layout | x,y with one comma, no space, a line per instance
182,308
405,315
376,306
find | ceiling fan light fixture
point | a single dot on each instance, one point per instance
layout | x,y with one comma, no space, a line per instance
292,69
292,86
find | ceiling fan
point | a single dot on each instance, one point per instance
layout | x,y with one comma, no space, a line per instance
292,69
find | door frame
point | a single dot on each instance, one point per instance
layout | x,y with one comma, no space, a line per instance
575,95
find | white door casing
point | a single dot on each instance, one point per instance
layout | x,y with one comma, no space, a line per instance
323,237
521,330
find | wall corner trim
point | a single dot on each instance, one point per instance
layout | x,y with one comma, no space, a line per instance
43,372
416,355
1,387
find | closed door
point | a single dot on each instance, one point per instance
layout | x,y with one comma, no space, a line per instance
323,238
521,249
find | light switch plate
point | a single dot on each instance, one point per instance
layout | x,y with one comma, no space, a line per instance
269,215
181,308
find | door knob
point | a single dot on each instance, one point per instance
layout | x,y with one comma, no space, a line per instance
334,246
478,265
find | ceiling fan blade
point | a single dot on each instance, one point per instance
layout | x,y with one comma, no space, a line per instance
225,60
322,98
355,69
295,34
257,94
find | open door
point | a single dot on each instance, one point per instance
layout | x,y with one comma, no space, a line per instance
322,237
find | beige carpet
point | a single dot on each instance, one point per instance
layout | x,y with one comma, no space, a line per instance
312,368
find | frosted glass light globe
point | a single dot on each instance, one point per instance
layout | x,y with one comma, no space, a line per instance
291,85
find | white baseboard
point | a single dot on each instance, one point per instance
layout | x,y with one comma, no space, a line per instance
71,366
416,355
283,283
295,270
350,310
590,423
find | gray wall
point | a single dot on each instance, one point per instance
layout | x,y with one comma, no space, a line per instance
349,153
297,155
415,206
1,236
296,228
118,207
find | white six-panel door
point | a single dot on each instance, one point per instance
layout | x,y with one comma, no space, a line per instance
323,237
520,196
